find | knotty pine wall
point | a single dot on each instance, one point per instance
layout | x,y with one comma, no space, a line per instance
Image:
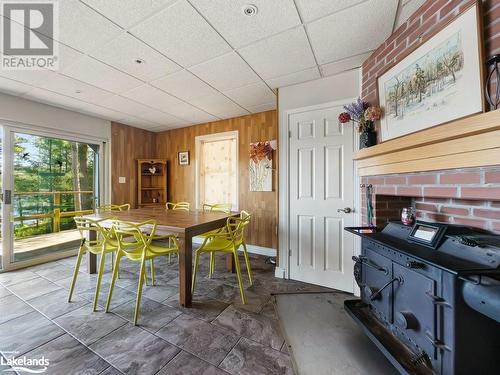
181,179
127,145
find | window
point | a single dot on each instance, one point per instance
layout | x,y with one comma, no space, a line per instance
217,169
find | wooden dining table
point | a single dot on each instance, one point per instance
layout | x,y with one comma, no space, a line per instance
184,224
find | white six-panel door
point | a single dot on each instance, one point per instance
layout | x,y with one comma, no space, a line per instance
321,187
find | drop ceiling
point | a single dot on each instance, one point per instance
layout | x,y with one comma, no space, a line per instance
162,64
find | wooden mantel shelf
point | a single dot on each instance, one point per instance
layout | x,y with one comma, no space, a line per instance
472,141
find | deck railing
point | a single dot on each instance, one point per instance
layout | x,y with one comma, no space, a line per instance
56,213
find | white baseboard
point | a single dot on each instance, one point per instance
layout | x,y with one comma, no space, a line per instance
252,249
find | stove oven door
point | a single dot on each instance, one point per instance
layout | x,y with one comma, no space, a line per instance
377,273
414,311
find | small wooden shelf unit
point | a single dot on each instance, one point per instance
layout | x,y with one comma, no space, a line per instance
151,187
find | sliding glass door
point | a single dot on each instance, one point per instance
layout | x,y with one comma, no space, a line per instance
47,181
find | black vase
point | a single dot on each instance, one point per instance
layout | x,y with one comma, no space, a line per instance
367,139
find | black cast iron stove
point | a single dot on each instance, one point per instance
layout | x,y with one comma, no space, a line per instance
430,297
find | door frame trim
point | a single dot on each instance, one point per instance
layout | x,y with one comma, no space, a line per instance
283,268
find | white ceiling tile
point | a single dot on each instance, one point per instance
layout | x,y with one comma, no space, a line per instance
313,9
122,53
183,85
281,54
336,37
294,78
251,95
164,102
238,29
182,34
239,113
124,105
226,72
216,104
98,74
9,86
407,9
66,56
138,122
54,99
71,87
101,112
30,77
159,117
83,28
344,64
263,107
130,13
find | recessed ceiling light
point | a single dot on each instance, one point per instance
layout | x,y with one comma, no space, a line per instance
250,10
139,61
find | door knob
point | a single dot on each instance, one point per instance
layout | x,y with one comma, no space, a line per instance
345,210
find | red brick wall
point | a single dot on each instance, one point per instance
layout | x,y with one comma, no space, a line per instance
425,20
468,196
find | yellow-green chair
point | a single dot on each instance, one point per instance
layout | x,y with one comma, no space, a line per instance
226,241
100,246
178,206
243,215
135,245
220,207
113,207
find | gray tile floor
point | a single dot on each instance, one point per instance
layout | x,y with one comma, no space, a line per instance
218,335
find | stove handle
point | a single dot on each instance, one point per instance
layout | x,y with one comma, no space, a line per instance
367,262
438,344
374,296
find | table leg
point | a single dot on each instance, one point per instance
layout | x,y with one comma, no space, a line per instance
185,270
91,258
230,263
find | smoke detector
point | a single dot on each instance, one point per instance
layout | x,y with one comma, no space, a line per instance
250,10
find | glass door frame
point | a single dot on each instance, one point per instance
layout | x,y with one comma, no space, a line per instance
8,130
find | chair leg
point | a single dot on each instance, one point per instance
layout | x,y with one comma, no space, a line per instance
169,258
152,264
211,265
139,291
238,274
81,251
247,262
196,260
99,279
113,280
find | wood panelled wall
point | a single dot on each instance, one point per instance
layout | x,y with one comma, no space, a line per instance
127,145
181,179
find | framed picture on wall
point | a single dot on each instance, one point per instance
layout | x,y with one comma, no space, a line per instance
440,80
183,157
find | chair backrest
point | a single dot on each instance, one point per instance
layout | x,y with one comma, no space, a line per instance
86,225
178,206
236,226
113,207
131,236
219,207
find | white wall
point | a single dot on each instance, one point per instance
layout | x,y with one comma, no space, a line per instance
344,86
47,117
